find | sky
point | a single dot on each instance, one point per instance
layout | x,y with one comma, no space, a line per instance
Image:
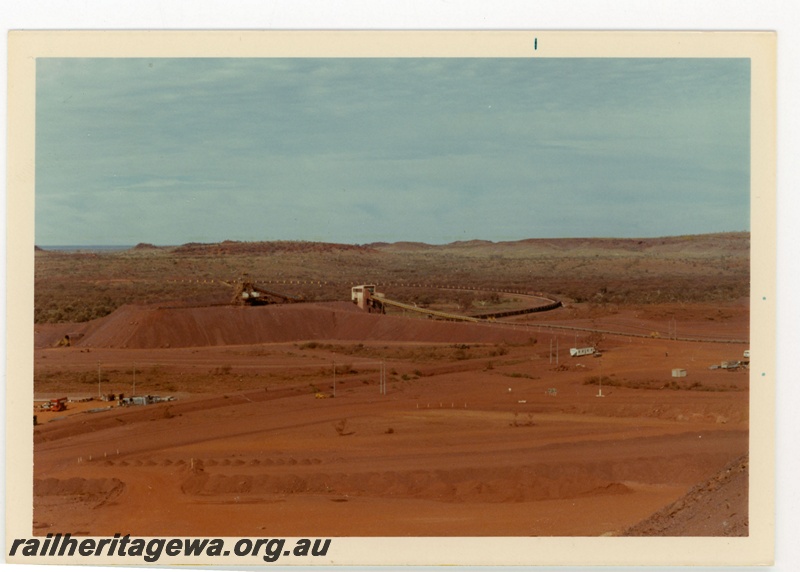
169,151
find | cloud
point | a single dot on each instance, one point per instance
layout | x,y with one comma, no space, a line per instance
357,150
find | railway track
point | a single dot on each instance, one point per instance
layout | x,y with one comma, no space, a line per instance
623,334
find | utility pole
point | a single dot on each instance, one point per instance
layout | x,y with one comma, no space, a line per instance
600,382
383,377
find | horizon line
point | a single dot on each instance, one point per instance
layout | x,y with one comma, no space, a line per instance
461,241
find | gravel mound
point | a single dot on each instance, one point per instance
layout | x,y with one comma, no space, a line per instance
716,507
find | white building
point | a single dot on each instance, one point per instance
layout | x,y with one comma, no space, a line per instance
360,295
576,352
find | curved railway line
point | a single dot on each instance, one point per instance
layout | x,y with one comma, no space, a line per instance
487,317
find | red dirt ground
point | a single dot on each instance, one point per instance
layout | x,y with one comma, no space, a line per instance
480,433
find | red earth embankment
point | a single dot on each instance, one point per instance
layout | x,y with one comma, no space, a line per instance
716,507
142,327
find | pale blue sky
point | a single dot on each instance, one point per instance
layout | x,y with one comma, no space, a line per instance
170,151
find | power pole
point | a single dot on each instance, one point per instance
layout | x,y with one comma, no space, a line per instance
600,383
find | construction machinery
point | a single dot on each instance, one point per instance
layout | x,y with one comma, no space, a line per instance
58,404
247,293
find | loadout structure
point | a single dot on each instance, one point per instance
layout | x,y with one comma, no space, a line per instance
248,293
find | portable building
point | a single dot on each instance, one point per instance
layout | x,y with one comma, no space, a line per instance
576,352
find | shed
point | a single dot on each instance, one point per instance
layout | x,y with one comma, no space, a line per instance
678,372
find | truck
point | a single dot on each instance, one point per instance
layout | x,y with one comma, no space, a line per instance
58,404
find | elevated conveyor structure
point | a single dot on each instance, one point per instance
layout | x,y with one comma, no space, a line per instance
378,299
367,298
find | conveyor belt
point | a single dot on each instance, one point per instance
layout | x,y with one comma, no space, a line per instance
434,313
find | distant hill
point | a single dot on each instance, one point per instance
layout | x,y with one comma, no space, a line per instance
267,247
76,286
698,245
